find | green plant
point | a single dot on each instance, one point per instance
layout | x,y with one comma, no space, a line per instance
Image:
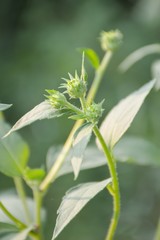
15,151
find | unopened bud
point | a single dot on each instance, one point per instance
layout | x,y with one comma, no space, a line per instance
75,87
57,99
111,40
94,112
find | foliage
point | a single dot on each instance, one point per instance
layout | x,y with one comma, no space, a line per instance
71,158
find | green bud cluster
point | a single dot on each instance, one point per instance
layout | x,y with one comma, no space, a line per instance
111,40
56,99
75,86
94,112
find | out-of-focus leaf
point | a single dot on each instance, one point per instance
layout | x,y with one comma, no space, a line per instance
121,116
74,200
39,112
92,56
14,205
138,55
156,73
8,236
4,106
22,235
80,142
7,227
137,151
146,154
7,231
14,152
34,174
92,158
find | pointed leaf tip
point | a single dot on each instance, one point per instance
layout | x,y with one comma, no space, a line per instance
39,112
74,200
92,56
121,116
156,73
4,106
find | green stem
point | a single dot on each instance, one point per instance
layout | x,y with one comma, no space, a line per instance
83,103
38,204
115,185
73,108
17,222
51,176
157,236
22,195
98,76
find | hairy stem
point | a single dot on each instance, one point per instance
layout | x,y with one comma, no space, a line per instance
51,176
115,185
22,195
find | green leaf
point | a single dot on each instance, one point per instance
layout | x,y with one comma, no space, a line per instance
83,71
138,55
121,116
14,152
4,106
137,151
8,236
7,227
80,142
14,205
92,158
92,56
156,73
41,111
73,202
36,174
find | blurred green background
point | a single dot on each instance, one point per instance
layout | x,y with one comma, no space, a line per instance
38,42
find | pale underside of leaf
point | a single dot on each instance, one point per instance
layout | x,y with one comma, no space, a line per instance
4,106
23,234
138,55
92,158
14,205
146,154
121,116
41,111
74,200
156,73
79,145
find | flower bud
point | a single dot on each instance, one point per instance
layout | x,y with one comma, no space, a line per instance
56,99
94,112
75,87
111,40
